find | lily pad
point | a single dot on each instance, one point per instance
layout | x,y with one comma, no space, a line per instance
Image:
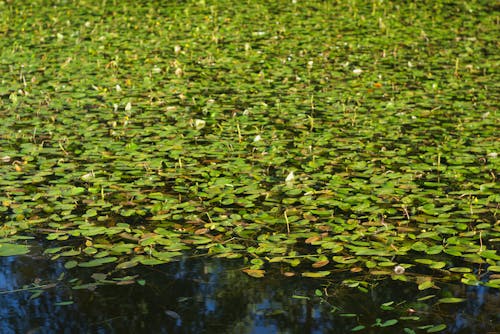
8,249
97,262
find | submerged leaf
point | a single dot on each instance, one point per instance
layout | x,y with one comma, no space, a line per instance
436,328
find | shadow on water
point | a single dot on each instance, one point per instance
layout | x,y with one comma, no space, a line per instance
212,296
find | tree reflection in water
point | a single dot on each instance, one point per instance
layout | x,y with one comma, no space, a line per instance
203,296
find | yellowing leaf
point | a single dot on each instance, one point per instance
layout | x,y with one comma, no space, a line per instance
425,285
316,274
320,264
257,273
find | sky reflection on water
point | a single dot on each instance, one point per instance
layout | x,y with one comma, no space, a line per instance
211,296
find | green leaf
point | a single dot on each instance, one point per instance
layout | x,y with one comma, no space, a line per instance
151,262
436,328
257,273
388,323
69,302
426,298
451,300
7,249
97,262
300,297
425,285
358,328
490,254
494,268
316,274
127,264
460,270
419,246
70,264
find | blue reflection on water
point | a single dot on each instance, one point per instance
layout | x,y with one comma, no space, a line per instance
210,296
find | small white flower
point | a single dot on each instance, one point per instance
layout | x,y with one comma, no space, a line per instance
118,88
199,124
88,176
399,270
257,138
128,106
357,71
290,177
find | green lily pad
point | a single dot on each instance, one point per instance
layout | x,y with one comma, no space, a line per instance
97,262
316,274
451,300
7,249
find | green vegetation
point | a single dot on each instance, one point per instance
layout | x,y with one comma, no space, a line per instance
313,137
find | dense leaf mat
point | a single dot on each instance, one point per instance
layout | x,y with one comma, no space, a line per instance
326,137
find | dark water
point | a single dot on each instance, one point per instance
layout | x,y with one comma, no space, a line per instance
210,296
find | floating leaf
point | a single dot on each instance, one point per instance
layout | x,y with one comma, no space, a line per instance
316,274
436,328
257,273
460,270
451,300
358,328
320,264
70,264
97,262
426,297
300,297
390,322
7,249
490,254
419,246
348,315
425,285
150,262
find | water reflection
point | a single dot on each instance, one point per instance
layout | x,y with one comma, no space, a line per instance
202,296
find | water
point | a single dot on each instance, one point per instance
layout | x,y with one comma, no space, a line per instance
209,296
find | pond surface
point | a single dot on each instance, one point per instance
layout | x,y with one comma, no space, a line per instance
201,295
329,166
